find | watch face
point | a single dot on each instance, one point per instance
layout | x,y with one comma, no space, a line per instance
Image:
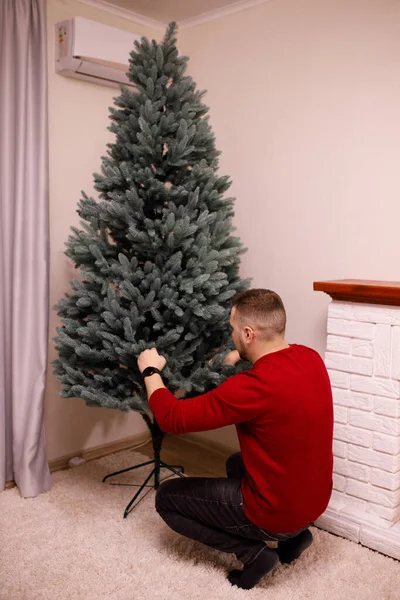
150,371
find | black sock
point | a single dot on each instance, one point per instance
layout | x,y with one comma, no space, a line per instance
252,573
290,550
234,576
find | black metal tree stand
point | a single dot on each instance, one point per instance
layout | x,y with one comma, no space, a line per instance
157,437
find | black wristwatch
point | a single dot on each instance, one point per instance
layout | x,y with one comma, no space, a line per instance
150,371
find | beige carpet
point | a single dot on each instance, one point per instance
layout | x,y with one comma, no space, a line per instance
73,544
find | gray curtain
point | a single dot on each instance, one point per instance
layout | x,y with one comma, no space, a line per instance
23,244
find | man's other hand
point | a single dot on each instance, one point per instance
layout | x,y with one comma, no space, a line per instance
151,358
232,358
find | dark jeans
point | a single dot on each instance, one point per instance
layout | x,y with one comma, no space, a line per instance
211,511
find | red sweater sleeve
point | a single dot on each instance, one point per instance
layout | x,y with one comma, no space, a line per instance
236,400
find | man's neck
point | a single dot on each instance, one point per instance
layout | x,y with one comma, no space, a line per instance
269,348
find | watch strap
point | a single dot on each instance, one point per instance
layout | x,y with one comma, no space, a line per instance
150,371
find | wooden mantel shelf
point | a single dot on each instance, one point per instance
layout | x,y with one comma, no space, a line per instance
361,290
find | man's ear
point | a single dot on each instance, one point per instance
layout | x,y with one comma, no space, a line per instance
248,333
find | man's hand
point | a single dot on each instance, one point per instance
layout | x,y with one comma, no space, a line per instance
232,358
151,358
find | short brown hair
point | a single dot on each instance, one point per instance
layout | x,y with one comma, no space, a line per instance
264,309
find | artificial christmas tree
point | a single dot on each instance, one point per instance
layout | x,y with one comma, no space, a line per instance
156,255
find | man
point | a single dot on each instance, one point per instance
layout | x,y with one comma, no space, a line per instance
281,481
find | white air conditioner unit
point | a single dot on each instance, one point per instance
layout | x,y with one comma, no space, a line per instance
93,52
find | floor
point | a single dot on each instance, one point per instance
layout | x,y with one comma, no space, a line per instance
72,543
198,460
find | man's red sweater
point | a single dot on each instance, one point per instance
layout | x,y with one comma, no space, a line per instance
283,411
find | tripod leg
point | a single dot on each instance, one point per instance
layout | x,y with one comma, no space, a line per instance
127,510
157,472
150,462
174,467
164,466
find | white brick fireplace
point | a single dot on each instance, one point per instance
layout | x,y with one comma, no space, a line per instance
363,361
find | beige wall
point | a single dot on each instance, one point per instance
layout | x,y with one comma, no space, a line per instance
78,120
305,98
